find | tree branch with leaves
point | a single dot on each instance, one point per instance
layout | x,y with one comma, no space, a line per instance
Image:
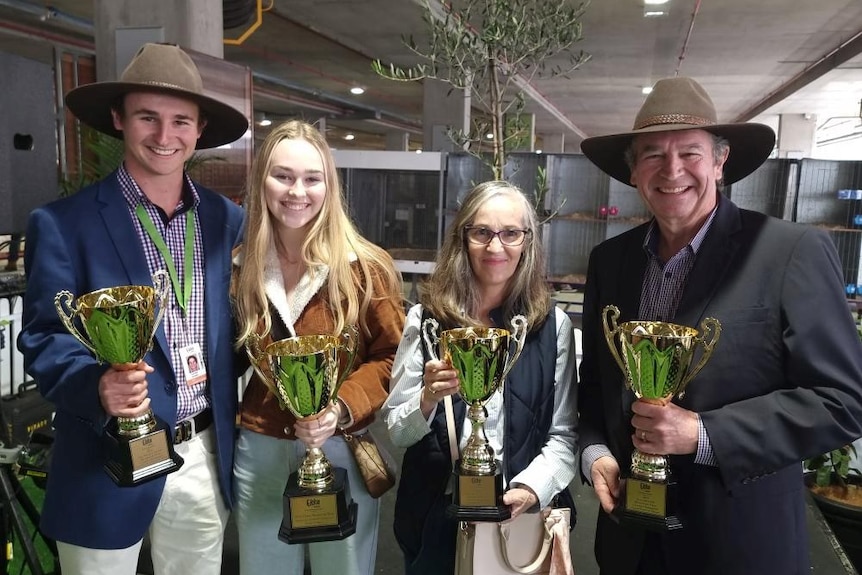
493,48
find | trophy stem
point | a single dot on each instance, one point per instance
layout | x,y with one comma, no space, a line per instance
649,466
136,426
315,472
477,457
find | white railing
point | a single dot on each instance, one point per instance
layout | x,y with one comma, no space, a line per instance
11,361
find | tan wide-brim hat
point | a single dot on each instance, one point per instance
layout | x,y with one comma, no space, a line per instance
682,104
161,68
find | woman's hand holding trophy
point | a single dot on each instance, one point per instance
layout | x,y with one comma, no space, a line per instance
303,373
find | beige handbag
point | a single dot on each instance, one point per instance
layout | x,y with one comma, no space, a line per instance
375,464
531,543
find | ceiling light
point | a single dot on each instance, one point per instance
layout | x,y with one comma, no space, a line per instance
349,137
265,122
489,136
655,2
419,151
646,90
538,151
654,13
357,90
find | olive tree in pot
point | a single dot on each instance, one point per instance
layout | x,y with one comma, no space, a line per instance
835,487
494,49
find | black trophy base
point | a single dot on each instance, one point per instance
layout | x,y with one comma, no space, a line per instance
478,497
311,515
135,460
648,504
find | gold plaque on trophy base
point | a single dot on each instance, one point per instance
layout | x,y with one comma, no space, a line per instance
132,460
311,515
478,497
649,504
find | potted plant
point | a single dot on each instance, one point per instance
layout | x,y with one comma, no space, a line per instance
835,486
493,49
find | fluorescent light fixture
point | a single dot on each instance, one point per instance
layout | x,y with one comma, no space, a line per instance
655,2
349,137
357,90
654,13
646,90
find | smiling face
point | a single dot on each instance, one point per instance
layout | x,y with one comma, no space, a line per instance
295,186
494,264
160,133
676,174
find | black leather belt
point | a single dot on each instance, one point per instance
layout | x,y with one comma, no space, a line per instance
190,427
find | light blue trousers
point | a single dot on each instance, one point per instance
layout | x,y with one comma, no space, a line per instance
261,468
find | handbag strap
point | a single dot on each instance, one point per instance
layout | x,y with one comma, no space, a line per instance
531,567
450,428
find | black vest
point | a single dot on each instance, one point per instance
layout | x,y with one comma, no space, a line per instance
424,534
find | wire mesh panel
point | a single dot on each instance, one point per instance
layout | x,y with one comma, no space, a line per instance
579,193
769,189
822,203
394,209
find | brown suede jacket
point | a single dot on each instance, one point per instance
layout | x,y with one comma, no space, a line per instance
365,388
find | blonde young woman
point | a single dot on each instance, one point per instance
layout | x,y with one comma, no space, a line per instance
304,269
489,269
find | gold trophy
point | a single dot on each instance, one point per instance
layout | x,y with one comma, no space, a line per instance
482,358
655,357
302,372
119,324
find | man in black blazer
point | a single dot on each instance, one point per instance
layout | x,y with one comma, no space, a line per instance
784,382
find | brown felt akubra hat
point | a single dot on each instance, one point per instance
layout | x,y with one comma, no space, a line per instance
164,68
682,104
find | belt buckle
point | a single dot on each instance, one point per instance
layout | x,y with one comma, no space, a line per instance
183,432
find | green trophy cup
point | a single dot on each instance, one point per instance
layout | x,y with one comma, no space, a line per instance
482,357
303,373
118,328
655,357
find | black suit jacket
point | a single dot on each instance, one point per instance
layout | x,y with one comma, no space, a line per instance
784,383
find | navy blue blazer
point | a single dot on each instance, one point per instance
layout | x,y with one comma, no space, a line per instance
87,242
784,383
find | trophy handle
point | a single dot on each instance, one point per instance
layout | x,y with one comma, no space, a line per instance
431,337
258,359
63,301
350,336
160,284
710,329
519,332
611,330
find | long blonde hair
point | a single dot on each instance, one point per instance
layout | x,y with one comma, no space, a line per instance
331,240
450,294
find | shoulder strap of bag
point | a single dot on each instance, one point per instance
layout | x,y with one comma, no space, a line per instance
541,557
450,428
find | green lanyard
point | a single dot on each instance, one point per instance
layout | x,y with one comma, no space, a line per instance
184,292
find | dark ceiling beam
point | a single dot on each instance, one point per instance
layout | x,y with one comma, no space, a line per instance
842,53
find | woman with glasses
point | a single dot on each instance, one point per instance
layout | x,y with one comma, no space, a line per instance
490,268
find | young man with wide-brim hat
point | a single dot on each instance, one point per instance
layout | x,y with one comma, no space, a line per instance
146,216
784,381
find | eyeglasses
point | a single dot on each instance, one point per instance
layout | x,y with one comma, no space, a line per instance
484,236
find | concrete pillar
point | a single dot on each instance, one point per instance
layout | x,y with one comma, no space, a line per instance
796,135
553,143
123,25
397,141
442,107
